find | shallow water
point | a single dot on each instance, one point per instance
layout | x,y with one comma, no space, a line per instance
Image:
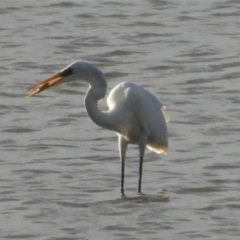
60,173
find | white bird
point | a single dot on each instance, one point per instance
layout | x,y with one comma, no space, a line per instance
134,114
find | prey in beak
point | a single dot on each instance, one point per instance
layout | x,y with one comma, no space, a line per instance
45,84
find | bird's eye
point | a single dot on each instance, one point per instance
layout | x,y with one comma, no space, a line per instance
67,72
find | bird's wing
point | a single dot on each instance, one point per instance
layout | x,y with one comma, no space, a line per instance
165,113
150,113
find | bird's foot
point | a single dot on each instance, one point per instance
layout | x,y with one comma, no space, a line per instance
122,192
141,193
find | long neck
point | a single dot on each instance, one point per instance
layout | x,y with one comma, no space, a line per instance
95,93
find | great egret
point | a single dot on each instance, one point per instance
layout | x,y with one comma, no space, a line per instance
134,113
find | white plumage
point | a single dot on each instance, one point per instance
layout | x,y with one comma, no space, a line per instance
139,111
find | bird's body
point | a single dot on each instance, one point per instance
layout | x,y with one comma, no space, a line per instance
137,111
134,113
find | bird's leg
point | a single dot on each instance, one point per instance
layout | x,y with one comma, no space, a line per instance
142,146
140,174
122,144
122,176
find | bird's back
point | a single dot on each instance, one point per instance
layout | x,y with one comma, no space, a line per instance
141,112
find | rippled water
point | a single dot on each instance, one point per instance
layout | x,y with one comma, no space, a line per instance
60,173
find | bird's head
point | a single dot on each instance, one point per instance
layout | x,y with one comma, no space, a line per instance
76,71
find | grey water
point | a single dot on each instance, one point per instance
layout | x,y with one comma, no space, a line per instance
60,173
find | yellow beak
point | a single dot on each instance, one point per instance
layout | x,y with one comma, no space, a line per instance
43,85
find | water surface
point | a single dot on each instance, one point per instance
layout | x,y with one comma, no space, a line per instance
60,173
